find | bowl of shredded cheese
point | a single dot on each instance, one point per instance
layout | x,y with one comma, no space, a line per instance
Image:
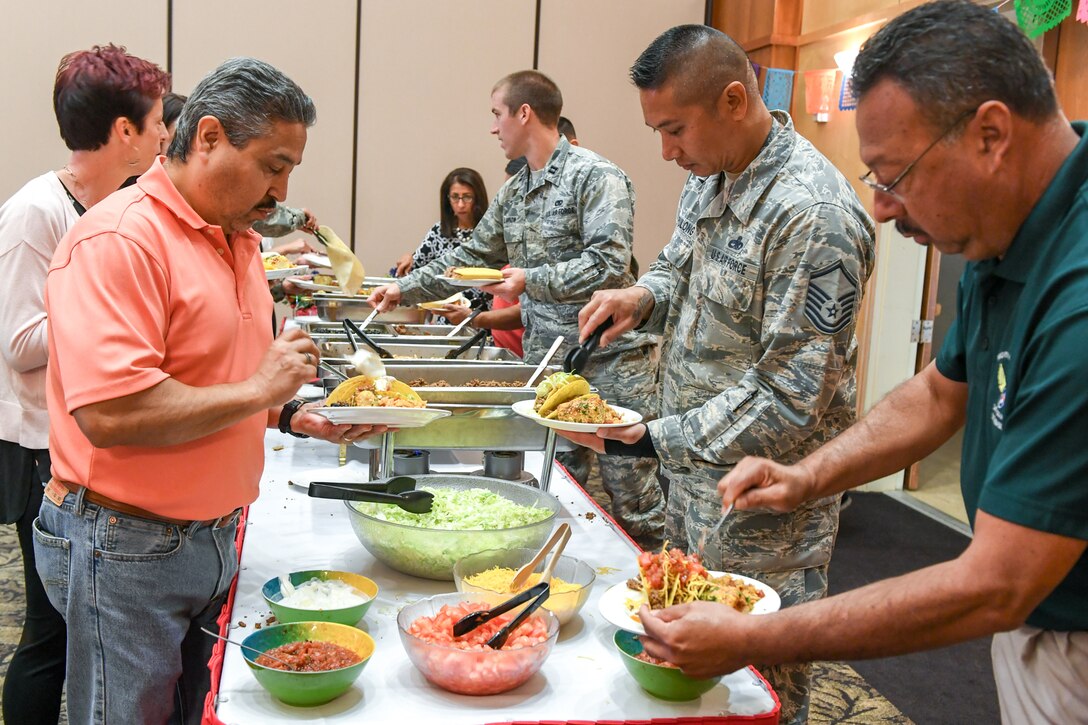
320,595
493,571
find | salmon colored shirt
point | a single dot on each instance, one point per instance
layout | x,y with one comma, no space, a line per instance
142,289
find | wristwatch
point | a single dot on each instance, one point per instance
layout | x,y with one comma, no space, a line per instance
288,412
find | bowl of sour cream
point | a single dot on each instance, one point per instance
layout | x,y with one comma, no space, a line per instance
320,595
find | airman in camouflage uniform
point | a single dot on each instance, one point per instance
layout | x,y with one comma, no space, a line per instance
756,295
569,226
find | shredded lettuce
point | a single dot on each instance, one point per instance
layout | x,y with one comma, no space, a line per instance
461,510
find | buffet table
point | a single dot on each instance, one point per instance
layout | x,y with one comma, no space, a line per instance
583,680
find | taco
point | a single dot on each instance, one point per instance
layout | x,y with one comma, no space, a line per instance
587,408
382,392
275,260
474,273
457,299
557,389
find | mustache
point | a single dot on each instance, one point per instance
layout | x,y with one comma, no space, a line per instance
907,229
267,203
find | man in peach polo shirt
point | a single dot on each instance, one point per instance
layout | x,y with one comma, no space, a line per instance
163,377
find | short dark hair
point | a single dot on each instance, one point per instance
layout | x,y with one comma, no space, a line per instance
532,88
171,107
951,56
513,166
247,96
566,128
95,87
699,60
472,179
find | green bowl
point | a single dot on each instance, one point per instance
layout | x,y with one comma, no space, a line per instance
344,615
667,683
307,688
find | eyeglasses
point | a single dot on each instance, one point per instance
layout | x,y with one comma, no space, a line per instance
887,188
467,198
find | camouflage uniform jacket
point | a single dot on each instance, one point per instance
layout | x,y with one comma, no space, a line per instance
570,229
757,294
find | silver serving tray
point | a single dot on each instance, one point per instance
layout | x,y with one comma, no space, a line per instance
335,307
335,345
459,395
414,354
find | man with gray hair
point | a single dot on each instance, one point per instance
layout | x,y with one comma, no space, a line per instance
162,379
756,296
969,151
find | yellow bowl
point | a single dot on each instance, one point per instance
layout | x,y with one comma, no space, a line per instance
573,571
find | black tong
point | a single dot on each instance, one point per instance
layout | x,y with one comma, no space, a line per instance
399,491
478,337
350,327
538,593
576,359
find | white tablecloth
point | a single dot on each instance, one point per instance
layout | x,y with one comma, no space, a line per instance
583,679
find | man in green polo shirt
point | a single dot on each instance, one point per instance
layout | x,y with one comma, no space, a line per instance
969,151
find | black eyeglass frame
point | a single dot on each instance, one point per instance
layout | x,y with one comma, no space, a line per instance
888,188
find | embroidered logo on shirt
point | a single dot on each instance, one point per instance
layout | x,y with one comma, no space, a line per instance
736,244
829,301
997,413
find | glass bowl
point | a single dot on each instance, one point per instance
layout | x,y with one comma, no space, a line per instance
573,571
342,615
667,683
431,553
473,672
305,689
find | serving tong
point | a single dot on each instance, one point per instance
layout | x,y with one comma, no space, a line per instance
350,327
399,491
478,337
560,537
535,595
578,357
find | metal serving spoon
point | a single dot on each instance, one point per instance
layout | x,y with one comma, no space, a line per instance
288,665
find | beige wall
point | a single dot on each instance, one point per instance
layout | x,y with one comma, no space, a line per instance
33,37
426,72
582,51
424,109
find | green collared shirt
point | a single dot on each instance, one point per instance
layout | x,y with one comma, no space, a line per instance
1020,342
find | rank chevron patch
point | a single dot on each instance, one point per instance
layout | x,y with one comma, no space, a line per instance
829,302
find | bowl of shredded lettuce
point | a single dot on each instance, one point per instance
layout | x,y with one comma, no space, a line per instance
469,514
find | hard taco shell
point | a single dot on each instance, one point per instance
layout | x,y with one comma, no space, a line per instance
344,393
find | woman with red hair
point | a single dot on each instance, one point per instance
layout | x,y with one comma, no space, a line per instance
108,106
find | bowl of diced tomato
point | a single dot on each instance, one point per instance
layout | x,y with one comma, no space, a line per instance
466,665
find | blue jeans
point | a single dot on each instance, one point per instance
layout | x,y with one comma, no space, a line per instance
134,593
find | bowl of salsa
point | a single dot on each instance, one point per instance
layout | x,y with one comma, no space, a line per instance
307,663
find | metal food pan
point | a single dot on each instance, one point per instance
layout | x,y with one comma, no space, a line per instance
436,353
335,307
476,428
338,346
391,329
455,375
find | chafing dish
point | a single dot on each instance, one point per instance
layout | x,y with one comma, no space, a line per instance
335,307
481,417
414,354
338,346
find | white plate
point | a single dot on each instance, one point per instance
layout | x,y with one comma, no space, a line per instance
614,602
315,260
314,286
467,282
288,272
524,408
376,415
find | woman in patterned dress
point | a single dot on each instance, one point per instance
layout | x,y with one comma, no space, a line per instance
462,200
